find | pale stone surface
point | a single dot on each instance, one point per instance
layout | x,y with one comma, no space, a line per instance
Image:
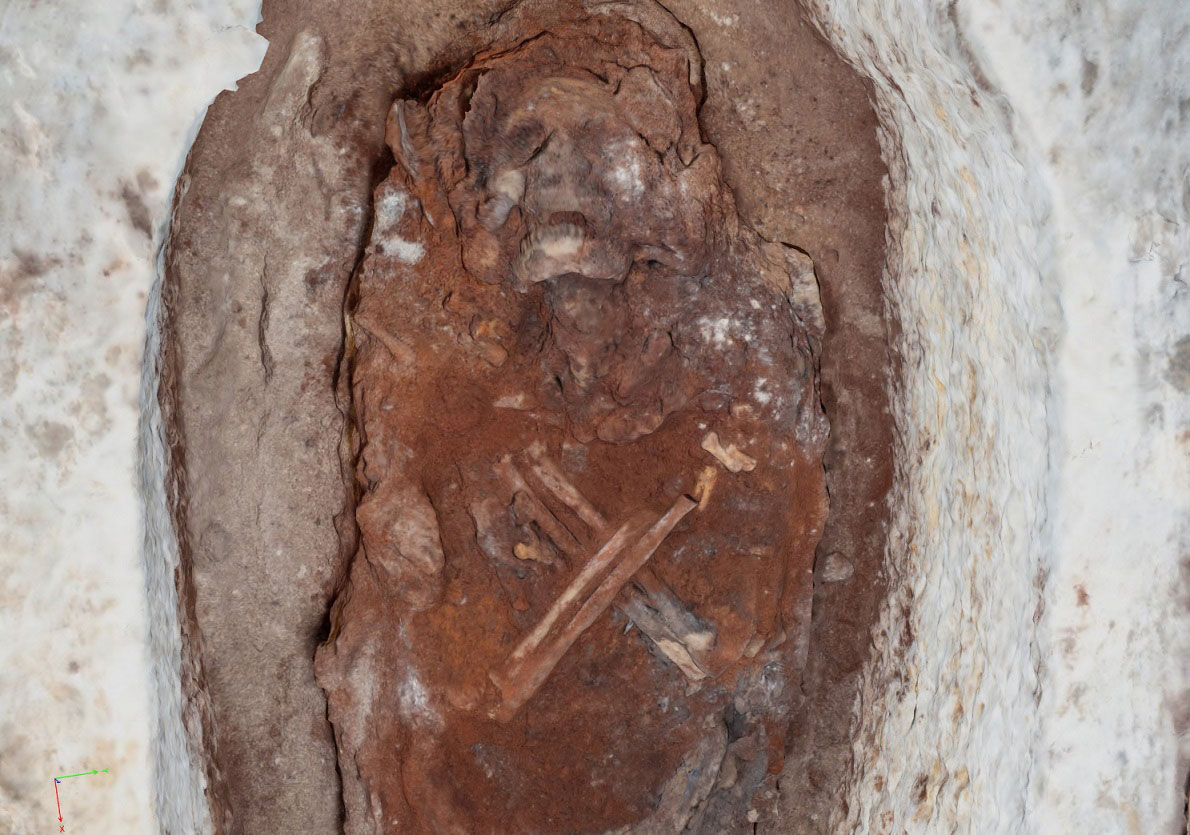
1038,155
1110,134
98,104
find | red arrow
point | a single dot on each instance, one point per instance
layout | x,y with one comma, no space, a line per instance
58,799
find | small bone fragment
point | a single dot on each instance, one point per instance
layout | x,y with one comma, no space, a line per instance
531,662
399,351
705,486
676,631
636,606
492,353
677,617
534,550
519,401
730,456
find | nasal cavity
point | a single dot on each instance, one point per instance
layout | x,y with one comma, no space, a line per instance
573,218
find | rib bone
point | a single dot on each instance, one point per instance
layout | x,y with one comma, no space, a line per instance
522,494
552,478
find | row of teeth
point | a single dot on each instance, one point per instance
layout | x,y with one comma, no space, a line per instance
548,234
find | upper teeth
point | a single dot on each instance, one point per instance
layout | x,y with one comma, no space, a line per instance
557,241
549,251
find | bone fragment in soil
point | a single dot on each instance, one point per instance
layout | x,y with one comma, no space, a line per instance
547,521
553,478
729,456
671,642
529,665
651,605
705,486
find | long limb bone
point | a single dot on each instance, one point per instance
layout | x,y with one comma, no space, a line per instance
576,593
655,609
531,662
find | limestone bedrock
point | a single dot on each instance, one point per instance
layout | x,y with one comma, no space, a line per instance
100,103
1039,235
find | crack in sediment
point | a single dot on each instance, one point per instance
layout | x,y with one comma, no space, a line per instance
262,324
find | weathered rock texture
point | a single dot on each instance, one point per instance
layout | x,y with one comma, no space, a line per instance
585,400
269,218
253,330
284,168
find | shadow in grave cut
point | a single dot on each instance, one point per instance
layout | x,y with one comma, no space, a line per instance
589,453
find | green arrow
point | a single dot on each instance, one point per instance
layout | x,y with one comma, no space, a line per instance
80,774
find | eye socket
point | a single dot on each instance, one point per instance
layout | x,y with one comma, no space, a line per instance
540,147
521,141
493,211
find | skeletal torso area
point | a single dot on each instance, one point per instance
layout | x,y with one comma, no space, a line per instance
520,431
589,478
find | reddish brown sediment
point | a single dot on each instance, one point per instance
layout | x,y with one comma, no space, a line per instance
262,249
561,265
532,661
